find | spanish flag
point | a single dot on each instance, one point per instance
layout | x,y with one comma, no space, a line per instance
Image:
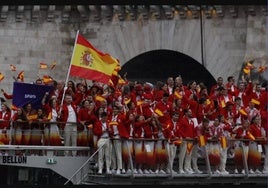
208,102
12,68
1,77
202,141
43,66
127,100
113,123
177,95
32,116
13,107
53,65
189,147
261,69
21,76
159,112
49,117
223,141
139,103
243,112
89,63
246,70
47,79
99,98
250,136
255,101
177,142
223,104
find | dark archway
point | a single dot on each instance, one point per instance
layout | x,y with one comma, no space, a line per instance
158,65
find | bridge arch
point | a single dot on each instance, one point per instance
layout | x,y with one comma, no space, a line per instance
158,65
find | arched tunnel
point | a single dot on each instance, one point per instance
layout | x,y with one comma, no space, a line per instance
158,65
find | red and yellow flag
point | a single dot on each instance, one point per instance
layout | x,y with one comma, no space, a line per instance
113,123
255,101
12,67
49,117
47,79
21,76
243,112
127,100
177,95
250,136
223,141
100,98
139,103
32,116
177,142
189,147
43,66
159,112
202,141
89,63
1,77
53,65
261,69
223,104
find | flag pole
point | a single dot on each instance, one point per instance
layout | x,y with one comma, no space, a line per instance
68,73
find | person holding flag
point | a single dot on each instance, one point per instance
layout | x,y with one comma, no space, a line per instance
68,115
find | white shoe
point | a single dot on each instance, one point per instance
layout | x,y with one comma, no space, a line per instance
258,171
113,171
123,171
162,172
236,171
188,171
151,172
243,172
197,171
217,172
224,172
181,171
118,171
100,171
251,171
174,172
157,171
146,171
135,171
129,171
265,171
140,171
108,171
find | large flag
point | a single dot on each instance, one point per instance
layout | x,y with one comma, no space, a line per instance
89,63
24,93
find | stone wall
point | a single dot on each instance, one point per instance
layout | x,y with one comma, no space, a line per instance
228,41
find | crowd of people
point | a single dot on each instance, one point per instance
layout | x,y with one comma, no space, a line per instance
148,125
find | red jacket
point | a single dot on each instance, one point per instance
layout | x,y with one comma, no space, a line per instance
65,114
5,119
119,122
186,129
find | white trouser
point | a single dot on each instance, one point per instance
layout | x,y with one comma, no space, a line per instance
70,137
223,156
104,151
117,154
171,154
185,157
195,156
